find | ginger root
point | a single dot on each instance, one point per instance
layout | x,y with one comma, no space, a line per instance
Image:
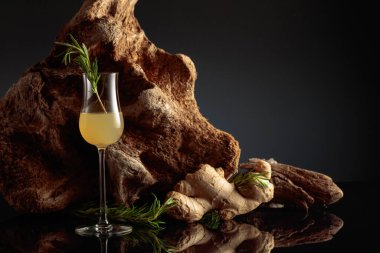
207,189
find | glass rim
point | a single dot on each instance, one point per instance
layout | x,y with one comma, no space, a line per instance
105,72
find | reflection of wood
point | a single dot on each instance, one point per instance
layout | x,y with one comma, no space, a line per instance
28,234
291,229
51,233
258,231
320,231
301,188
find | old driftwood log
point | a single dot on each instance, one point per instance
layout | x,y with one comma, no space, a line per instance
302,188
299,188
45,164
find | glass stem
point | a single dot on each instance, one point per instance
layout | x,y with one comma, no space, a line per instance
103,222
103,244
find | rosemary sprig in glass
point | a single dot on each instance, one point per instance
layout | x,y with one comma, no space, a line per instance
82,58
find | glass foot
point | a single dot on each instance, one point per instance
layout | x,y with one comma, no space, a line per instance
103,231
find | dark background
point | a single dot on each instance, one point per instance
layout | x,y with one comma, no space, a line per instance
293,80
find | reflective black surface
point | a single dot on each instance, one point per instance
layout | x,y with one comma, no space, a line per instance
347,225
359,214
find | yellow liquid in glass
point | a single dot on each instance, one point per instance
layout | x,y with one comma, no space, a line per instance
101,129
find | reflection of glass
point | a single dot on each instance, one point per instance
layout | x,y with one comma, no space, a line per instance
103,244
101,124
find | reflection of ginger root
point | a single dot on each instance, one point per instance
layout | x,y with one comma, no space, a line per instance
207,189
230,238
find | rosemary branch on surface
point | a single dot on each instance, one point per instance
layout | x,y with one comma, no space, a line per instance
144,216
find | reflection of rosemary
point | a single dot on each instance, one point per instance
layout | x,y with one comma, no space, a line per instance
141,238
83,60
